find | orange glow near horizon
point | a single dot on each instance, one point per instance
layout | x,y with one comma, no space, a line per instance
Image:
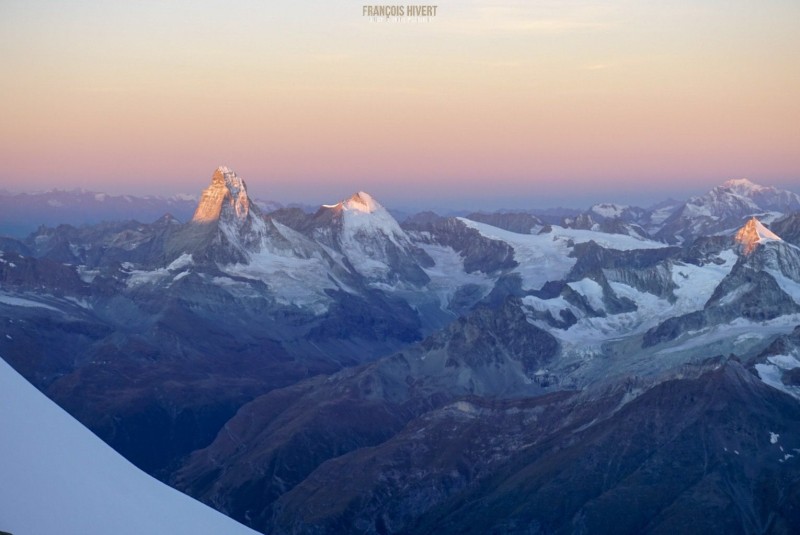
482,99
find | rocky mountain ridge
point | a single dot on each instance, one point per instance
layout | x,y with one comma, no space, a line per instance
257,359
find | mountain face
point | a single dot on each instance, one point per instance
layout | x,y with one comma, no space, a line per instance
726,207
765,197
753,234
479,253
707,450
227,227
788,227
334,370
760,286
486,352
371,240
225,200
612,219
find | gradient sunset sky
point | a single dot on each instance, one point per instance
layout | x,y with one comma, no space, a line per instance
495,104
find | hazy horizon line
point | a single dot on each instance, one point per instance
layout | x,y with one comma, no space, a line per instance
484,203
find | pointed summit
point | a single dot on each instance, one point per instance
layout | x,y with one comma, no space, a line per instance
226,198
753,233
362,202
371,240
227,226
361,213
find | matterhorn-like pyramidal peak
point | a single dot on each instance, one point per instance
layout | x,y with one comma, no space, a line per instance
225,199
226,227
754,233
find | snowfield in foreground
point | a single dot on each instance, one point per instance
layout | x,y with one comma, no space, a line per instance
59,478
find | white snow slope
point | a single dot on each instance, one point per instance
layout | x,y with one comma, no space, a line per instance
56,477
545,257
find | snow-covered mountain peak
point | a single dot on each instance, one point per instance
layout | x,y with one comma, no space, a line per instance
362,214
226,198
741,186
754,233
371,240
724,207
765,198
362,202
227,226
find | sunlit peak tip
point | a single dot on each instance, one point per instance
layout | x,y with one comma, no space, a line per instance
362,202
754,233
227,177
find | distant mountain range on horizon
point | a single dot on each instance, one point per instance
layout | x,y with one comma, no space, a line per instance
23,212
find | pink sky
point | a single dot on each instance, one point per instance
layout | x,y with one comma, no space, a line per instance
529,102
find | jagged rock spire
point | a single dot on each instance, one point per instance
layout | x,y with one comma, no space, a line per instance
225,198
